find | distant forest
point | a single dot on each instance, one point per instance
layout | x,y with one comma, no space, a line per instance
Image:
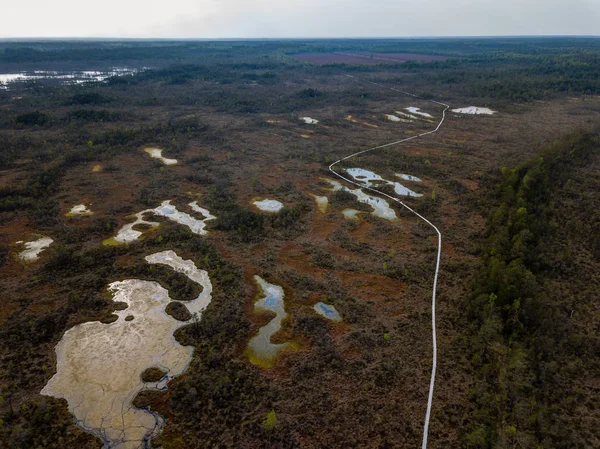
503,69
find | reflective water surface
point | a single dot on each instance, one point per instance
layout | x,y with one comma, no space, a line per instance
260,350
99,365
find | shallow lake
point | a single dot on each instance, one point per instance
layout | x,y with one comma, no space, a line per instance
99,365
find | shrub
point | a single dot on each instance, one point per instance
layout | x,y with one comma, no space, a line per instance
88,98
92,115
36,118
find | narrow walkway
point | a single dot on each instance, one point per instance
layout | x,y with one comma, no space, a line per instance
439,250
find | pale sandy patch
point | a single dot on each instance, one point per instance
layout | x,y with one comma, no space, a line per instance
268,205
474,110
156,153
34,248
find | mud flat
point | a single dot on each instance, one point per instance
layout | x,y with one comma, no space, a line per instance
327,311
260,350
370,178
156,153
381,208
268,205
474,110
33,249
127,234
99,366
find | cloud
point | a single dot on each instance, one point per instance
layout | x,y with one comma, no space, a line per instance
297,18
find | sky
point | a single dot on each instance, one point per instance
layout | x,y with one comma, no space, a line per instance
296,18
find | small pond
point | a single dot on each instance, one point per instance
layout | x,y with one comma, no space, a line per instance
370,179
156,153
128,234
34,248
327,311
322,202
416,111
79,210
381,208
268,205
260,350
474,110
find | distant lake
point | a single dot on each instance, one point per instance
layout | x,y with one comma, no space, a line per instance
65,77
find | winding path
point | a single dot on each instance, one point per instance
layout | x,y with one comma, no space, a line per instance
439,234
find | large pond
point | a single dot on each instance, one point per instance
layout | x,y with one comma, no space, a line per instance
99,366
260,350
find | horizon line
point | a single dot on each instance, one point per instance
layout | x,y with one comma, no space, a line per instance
95,38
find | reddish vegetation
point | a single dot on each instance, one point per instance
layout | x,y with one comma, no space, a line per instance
366,58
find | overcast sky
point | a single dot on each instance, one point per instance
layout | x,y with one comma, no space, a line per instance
296,18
